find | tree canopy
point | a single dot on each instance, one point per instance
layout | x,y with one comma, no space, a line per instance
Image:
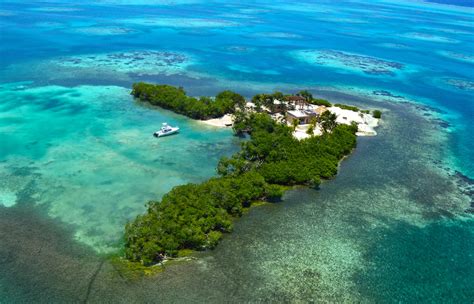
195,216
192,216
328,121
347,107
175,99
377,114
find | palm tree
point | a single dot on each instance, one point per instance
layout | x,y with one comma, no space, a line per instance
295,123
312,126
328,121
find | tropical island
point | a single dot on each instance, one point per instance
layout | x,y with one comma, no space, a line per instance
274,157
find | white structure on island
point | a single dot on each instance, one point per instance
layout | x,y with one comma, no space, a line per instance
296,108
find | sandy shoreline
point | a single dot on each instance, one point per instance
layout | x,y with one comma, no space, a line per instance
366,123
222,122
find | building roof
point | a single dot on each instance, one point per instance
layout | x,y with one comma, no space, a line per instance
296,98
299,114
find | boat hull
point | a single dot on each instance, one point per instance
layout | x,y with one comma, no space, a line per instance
163,134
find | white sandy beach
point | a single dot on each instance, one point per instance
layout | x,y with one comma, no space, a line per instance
301,132
366,122
224,121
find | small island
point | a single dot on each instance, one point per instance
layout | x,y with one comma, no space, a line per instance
301,111
275,157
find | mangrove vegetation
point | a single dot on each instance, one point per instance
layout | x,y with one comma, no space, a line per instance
195,216
176,100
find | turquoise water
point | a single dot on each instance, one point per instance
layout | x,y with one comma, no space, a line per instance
77,159
86,153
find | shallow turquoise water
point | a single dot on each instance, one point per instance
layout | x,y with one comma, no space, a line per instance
88,155
77,159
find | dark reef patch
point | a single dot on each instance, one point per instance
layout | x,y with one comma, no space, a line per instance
461,84
39,261
442,253
387,94
466,184
366,64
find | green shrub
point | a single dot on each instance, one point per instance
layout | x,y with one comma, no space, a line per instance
175,99
274,192
377,114
320,102
347,107
213,238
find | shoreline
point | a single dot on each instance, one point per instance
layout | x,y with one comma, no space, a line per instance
225,121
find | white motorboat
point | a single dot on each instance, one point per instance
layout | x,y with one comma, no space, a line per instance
166,130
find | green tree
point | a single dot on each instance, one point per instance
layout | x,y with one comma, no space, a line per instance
346,107
320,102
278,95
377,114
307,95
175,99
240,122
232,166
295,123
328,121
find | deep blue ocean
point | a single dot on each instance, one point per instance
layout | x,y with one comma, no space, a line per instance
77,160
467,3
